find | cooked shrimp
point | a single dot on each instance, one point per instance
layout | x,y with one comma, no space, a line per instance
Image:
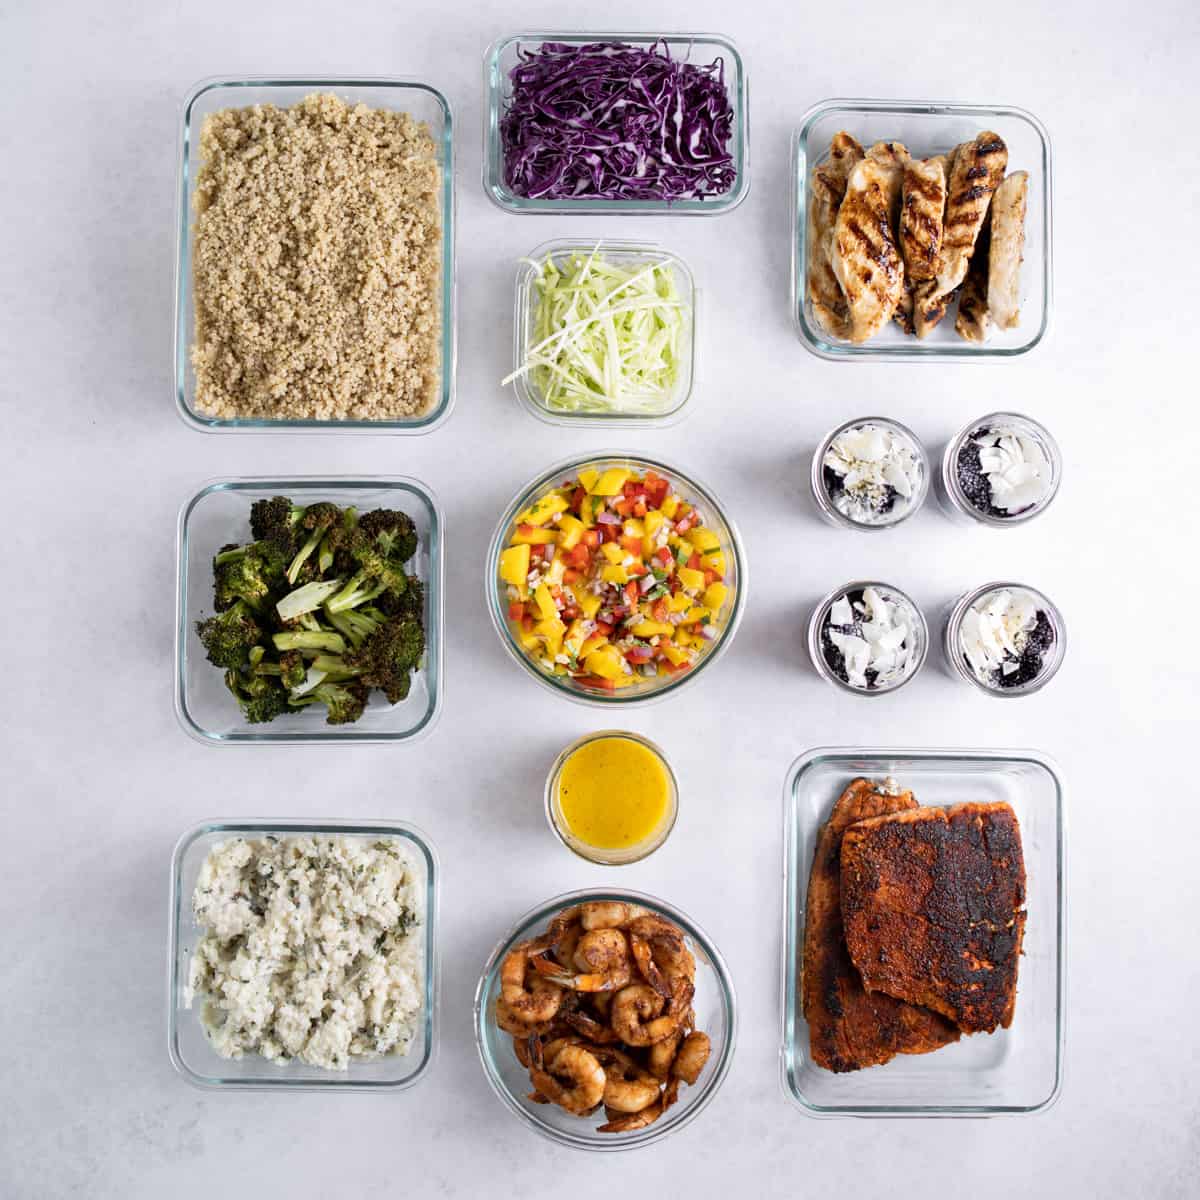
629,1122
608,914
636,1013
588,1027
660,953
513,1023
602,962
572,1079
540,1001
692,1057
629,1088
662,1054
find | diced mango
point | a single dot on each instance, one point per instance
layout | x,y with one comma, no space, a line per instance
576,636
589,602
545,602
679,602
533,535
612,573
606,663
624,681
613,552
570,530
670,506
553,631
715,562
653,522
540,511
514,565
634,528
714,595
675,655
648,629
555,572
695,615
611,482
691,579
703,539
587,479
593,643
682,637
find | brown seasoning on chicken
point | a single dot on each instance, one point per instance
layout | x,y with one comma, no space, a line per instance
826,191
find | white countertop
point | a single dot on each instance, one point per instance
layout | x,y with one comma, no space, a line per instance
98,780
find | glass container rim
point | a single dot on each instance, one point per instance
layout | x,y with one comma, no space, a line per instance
954,624
336,826
613,858
435,584
181,337
500,194
813,340
529,396
616,698
816,624
725,988
954,490
821,494
790,960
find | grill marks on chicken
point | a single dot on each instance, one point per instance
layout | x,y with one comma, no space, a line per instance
933,909
849,1027
923,207
826,191
1009,205
971,322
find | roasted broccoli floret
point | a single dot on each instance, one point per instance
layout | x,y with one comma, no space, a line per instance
276,520
409,603
230,636
387,658
380,545
261,697
306,639
357,624
345,701
289,670
393,532
248,573
316,520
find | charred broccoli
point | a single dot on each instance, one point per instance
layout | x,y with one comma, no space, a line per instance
230,636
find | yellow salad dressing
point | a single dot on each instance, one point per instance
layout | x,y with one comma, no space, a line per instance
613,793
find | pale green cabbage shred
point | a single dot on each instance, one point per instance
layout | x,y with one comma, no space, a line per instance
605,337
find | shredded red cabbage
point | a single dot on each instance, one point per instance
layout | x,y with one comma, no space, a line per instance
616,122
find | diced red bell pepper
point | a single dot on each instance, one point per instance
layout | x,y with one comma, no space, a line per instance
630,593
527,623
695,562
656,489
516,610
603,628
570,575
570,612
659,611
709,577
597,681
578,496
665,557
639,653
591,538
632,544
577,557
623,507
686,522
671,669
639,507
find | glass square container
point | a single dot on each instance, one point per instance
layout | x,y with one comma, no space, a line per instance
625,254
219,513
927,128
1012,1071
703,48
191,1053
424,103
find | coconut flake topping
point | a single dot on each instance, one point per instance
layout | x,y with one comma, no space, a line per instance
874,635
994,632
1016,468
878,471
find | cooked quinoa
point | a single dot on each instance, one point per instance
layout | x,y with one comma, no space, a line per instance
317,263
313,948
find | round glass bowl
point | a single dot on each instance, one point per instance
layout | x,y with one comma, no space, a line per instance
961,668
647,688
899,513
715,1007
951,492
916,624
626,854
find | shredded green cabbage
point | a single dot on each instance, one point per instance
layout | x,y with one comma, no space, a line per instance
606,337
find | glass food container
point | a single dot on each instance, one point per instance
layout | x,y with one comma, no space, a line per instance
616,857
219,513
956,660
715,1007
953,497
424,103
927,128
715,517
1013,1071
917,626
625,254
191,1053
701,48
820,489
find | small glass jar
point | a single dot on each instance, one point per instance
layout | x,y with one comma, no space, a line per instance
918,630
824,499
954,498
625,854
960,667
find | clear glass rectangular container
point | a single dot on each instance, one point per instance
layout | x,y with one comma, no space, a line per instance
219,513
626,254
927,128
1012,1071
191,1053
420,100
702,48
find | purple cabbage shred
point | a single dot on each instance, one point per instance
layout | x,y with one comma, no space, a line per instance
616,122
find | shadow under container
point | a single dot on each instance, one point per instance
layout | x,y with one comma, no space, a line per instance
191,1053
1011,1072
595,854
927,128
424,103
628,255
692,492
219,513
715,1006
697,48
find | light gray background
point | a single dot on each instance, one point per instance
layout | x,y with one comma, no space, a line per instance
98,780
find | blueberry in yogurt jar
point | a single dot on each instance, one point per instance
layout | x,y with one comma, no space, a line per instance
1002,470
870,473
1006,638
868,637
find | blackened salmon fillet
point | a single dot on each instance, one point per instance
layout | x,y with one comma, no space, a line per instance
848,1026
933,905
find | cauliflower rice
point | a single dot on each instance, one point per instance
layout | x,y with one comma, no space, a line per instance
313,948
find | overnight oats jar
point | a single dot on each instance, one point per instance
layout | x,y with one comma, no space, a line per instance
1007,639
870,473
1003,469
867,638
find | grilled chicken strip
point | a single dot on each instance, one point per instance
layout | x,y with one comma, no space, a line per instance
865,258
971,323
922,211
1008,243
977,171
826,190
